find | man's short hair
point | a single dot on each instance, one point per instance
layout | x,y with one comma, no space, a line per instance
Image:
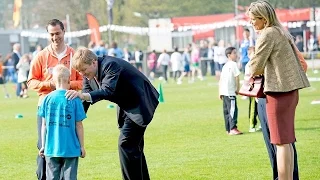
54,22
81,57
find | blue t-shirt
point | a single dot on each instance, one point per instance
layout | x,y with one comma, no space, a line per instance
244,50
100,51
117,52
61,116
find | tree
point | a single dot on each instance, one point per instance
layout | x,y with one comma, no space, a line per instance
40,11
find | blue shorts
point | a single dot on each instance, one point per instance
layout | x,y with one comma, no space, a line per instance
187,68
218,67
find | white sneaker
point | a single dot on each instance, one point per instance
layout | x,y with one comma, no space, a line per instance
252,130
259,128
179,82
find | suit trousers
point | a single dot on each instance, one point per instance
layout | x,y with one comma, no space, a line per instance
132,160
270,147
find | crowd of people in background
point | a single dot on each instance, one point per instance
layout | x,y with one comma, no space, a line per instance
15,68
192,62
195,61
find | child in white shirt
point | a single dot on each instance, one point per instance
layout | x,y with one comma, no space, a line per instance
228,89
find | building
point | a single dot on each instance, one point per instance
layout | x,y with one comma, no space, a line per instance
180,31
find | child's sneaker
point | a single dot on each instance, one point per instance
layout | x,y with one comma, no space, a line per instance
252,130
259,128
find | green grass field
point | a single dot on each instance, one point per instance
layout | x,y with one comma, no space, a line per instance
185,141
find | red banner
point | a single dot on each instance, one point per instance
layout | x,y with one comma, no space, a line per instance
94,26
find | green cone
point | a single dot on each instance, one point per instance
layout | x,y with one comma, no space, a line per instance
161,98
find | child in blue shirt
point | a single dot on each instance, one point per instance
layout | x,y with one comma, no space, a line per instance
62,130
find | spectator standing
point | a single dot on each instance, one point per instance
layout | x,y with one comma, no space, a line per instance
275,58
211,59
244,47
195,60
115,51
313,46
219,54
152,64
203,57
176,63
138,56
127,56
299,43
23,68
164,62
253,105
16,58
100,50
40,76
186,65
228,89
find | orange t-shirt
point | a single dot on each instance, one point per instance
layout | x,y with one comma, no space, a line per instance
41,67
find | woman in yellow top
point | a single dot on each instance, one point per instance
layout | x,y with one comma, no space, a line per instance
275,57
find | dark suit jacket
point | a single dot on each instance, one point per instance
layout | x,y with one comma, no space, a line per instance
15,58
123,84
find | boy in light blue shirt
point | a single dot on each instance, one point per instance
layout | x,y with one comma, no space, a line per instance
62,129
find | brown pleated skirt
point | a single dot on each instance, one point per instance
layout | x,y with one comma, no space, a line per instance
281,108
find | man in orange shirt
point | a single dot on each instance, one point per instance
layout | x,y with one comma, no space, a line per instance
40,76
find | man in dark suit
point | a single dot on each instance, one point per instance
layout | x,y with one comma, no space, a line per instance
16,58
113,79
